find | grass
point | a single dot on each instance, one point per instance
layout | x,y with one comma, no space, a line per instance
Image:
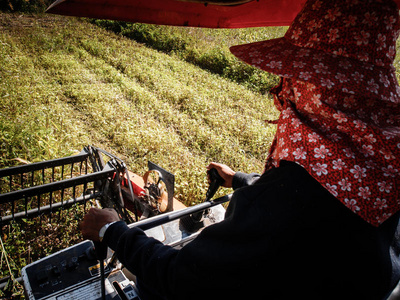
205,48
171,95
66,83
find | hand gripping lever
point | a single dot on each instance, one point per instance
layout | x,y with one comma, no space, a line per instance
215,182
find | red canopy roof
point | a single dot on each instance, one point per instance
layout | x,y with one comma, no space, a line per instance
256,13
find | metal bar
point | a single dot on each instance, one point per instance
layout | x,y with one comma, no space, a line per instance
73,191
53,186
26,203
51,201
12,208
174,215
38,202
92,158
84,199
62,196
44,164
48,208
99,157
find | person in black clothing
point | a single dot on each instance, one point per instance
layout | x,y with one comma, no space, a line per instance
284,237
322,230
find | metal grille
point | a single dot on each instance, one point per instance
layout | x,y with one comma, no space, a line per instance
39,188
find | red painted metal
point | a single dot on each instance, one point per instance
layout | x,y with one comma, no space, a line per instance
182,13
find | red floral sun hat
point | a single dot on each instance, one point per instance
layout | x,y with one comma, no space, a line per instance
348,45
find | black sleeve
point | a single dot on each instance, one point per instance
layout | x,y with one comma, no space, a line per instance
150,260
206,264
284,231
242,179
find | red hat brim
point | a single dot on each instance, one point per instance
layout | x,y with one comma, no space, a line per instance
280,57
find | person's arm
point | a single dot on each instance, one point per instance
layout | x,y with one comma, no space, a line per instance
161,268
243,179
140,254
233,179
202,266
212,261
152,262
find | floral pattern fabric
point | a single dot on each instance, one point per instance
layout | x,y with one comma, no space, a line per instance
346,45
339,100
350,144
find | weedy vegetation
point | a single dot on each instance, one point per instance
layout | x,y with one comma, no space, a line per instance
172,95
66,83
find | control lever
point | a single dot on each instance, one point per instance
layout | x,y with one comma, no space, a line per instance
215,182
100,250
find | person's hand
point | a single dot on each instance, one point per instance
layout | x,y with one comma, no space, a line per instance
94,220
224,171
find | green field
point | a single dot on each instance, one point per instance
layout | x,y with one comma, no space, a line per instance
172,95
66,83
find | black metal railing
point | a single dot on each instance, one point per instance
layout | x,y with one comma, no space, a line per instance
40,188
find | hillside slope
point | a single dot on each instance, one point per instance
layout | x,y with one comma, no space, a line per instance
66,83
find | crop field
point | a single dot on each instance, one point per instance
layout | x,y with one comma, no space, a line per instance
66,83
172,95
